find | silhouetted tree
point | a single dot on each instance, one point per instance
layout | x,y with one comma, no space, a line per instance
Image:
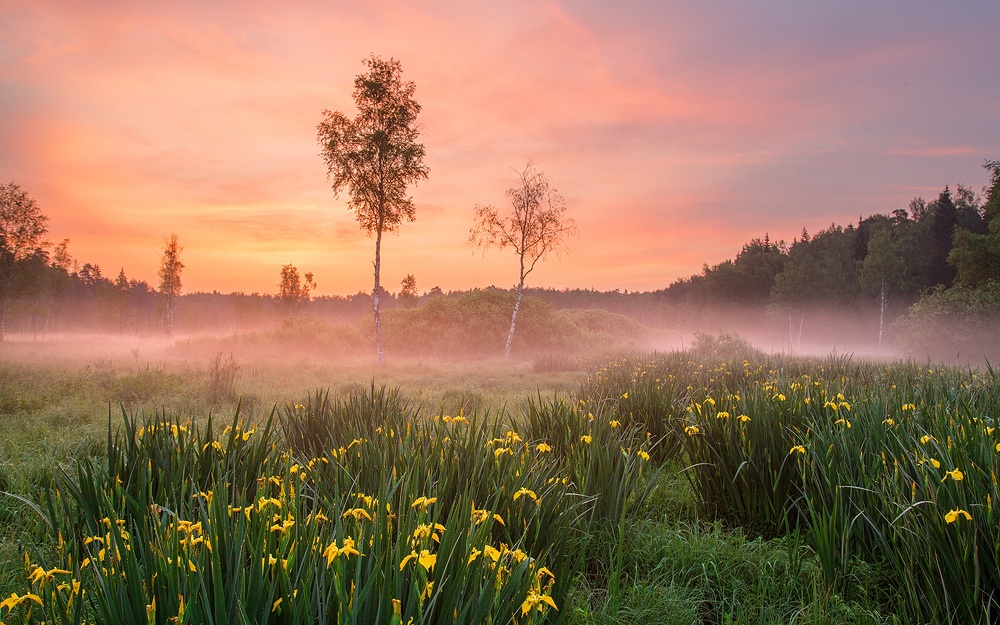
942,216
976,256
170,279
535,227
375,156
22,226
408,290
293,291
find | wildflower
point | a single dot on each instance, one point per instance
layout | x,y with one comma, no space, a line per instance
614,423
643,455
956,475
14,600
909,407
358,514
501,451
586,438
743,418
925,438
423,502
332,552
952,516
535,600
797,449
845,422
691,430
889,422
428,589
722,414
528,492
425,559
542,448
624,395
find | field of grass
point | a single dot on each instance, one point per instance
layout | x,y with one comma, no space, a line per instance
692,487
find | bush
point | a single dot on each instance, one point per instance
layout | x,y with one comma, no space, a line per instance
957,324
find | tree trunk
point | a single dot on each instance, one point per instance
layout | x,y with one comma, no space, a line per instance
378,317
881,315
513,320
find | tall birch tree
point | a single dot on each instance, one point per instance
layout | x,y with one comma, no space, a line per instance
535,227
376,156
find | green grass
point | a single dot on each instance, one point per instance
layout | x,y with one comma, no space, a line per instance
724,523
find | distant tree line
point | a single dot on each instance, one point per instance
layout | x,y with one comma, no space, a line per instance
905,254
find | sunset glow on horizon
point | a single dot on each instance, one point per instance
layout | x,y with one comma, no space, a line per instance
676,132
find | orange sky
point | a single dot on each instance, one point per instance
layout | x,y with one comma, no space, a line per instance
676,131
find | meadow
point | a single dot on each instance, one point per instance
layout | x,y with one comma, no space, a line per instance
713,485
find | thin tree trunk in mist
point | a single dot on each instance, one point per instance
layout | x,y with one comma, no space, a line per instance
378,317
513,320
798,344
881,315
513,317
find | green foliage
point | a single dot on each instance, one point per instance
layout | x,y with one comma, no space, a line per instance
373,513
476,323
954,324
890,465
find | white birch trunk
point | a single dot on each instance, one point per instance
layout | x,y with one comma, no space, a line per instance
378,316
513,320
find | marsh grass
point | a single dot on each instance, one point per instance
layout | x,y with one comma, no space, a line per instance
724,524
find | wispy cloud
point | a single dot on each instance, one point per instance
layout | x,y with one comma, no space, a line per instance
675,131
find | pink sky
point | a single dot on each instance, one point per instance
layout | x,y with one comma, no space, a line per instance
676,131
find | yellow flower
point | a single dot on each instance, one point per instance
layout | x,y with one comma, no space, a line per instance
743,418
956,475
797,449
586,439
332,552
14,600
642,455
528,492
425,559
845,422
952,516
925,438
542,448
625,395
888,422
722,414
537,601
614,423
358,514
423,502
691,430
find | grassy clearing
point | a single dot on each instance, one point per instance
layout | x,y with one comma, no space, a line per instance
670,488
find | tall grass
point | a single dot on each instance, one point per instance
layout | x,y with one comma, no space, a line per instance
335,510
894,465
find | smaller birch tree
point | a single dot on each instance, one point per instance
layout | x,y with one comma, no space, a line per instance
535,227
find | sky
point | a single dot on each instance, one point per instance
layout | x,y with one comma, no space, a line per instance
676,131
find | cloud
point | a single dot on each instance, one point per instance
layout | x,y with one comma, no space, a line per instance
675,131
